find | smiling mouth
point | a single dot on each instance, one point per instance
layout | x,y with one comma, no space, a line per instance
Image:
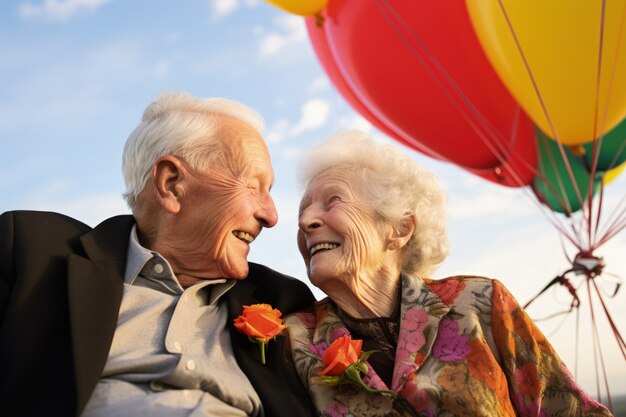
243,236
321,247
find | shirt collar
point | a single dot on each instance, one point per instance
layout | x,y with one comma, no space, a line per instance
154,271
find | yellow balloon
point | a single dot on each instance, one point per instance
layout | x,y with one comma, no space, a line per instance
560,40
300,7
611,174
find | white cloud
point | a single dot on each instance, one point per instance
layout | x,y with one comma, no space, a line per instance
278,131
318,85
291,31
223,8
90,209
271,44
314,114
58,9
360,123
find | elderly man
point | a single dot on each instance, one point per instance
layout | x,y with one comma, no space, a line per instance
135,317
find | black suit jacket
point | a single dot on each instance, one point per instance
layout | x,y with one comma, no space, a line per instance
60,292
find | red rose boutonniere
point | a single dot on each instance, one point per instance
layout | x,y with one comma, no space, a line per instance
344,362
260,322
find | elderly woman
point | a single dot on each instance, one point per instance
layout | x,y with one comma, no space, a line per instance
371,230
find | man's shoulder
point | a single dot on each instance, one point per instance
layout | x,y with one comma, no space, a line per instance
40,226
41,219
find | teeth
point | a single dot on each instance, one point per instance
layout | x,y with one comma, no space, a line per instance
243,236
322,246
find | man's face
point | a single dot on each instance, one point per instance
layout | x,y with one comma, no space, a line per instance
225,207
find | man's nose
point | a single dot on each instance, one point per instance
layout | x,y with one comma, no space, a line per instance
267,214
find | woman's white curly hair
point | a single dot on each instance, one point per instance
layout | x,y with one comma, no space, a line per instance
394,185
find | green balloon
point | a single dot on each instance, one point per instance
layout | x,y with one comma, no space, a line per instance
613,150
553,186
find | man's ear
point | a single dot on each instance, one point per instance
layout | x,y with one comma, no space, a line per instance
402,231
168,175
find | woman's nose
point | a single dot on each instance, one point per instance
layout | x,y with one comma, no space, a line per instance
309,220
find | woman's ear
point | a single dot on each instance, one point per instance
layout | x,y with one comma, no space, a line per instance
402,231
168,175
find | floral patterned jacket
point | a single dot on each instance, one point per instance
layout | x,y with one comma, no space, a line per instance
465,348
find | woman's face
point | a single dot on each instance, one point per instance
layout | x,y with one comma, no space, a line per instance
339,235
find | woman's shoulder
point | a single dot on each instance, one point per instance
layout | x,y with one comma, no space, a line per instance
466,280
461,291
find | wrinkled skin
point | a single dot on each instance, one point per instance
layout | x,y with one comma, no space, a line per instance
362,274
203,211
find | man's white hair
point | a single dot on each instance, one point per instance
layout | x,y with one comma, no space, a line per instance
181,125
394,185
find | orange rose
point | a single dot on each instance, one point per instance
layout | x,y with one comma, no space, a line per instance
342,353
260,321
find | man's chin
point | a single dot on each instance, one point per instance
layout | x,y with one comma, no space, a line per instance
239,273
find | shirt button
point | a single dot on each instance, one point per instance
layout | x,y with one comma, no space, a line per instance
158,268
156,386
177,347
191,365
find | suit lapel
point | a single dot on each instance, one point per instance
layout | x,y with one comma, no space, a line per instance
95,293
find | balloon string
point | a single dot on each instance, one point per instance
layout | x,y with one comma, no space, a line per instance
612,221
595,344
576,346
616,332
617,154
451,84
541,101
618,226
552,160
596,150
391,16
608,99
591,184
600,199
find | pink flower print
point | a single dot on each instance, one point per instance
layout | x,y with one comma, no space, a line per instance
337,409
308,320
336,333
531,409
412,333
414,340
411,337
588,403
318,348
400,374
415,319
450,345
372,380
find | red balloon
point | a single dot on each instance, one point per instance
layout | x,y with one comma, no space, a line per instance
320,46
371,50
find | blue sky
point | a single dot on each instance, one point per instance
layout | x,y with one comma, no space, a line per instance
77,74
